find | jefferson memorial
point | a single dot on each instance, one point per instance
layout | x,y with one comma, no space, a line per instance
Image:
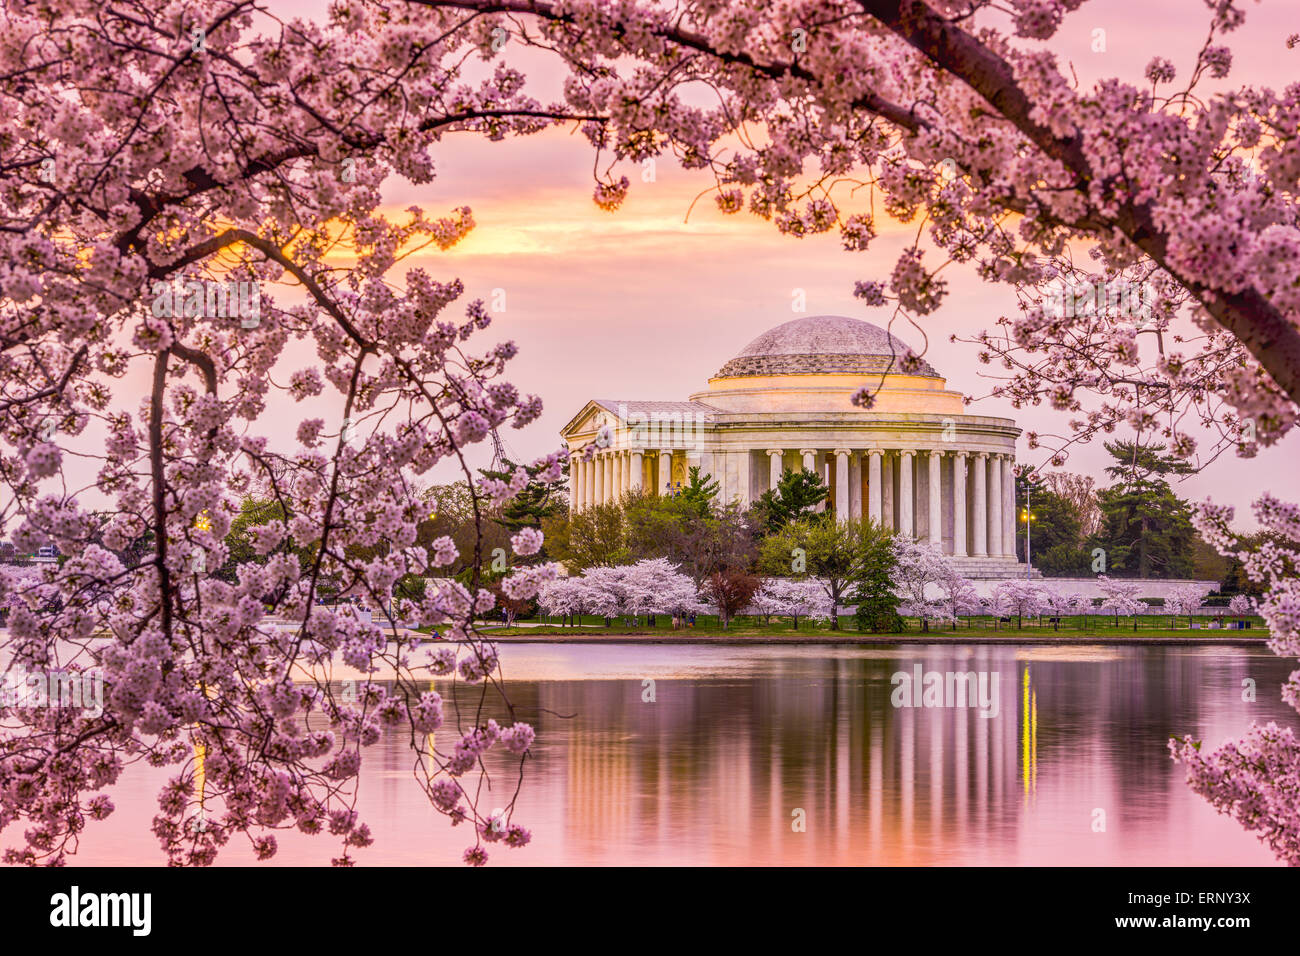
914,461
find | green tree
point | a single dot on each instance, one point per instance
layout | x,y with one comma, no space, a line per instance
835,552
654,523
451,514
588,538
797,494
699,493
1146,528
873,588
539,499
1055,535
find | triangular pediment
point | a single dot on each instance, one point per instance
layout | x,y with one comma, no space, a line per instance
589,420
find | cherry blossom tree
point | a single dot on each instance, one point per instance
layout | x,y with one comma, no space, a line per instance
156,157
1121,597
659,586
792,598
953,114
1185,599
625,590
564,597
1241,604
956,595
1059,603
1256,779
1021,598
191,208
920,571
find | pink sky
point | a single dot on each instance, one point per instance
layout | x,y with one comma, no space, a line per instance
642,304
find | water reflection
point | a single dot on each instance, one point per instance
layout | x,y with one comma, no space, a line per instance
740,742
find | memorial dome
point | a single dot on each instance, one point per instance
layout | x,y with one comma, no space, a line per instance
818,344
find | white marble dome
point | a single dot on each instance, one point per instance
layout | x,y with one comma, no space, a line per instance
822,344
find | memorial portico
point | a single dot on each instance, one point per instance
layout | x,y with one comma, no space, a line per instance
913,461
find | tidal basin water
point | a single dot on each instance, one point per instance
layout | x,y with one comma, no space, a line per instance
740,738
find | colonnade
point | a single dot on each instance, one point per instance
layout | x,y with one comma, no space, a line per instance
961,500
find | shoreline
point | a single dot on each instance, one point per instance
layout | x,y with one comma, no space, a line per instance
879,640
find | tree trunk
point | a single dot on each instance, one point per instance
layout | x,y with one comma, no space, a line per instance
1144,560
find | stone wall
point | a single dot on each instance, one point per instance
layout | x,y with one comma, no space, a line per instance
1151,587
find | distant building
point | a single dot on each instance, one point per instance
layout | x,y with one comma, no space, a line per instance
915,461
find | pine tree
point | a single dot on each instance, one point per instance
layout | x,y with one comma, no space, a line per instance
796,494
699,492
1146,528
538,500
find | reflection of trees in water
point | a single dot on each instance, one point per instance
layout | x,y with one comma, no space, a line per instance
711,771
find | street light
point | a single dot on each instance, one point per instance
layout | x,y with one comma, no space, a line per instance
1027,516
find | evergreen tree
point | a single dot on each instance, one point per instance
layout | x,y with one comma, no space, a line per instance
796,494
1055,537
538,499
699,492
1146,528
873,587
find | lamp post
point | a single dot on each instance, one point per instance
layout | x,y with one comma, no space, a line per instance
1028,533
1029,519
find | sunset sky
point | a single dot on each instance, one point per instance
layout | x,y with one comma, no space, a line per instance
642,304
645,304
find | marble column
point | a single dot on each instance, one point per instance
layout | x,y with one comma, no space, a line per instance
743,480
665,470
841,484
1009,506
959,504
809,459
888,490
637,468
599,461
855,486
774,467
589,481
995,505
936,505
905,523
873,485
981,517
616,489
575,485
610,493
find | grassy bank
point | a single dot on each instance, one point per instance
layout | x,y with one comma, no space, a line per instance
1148,627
